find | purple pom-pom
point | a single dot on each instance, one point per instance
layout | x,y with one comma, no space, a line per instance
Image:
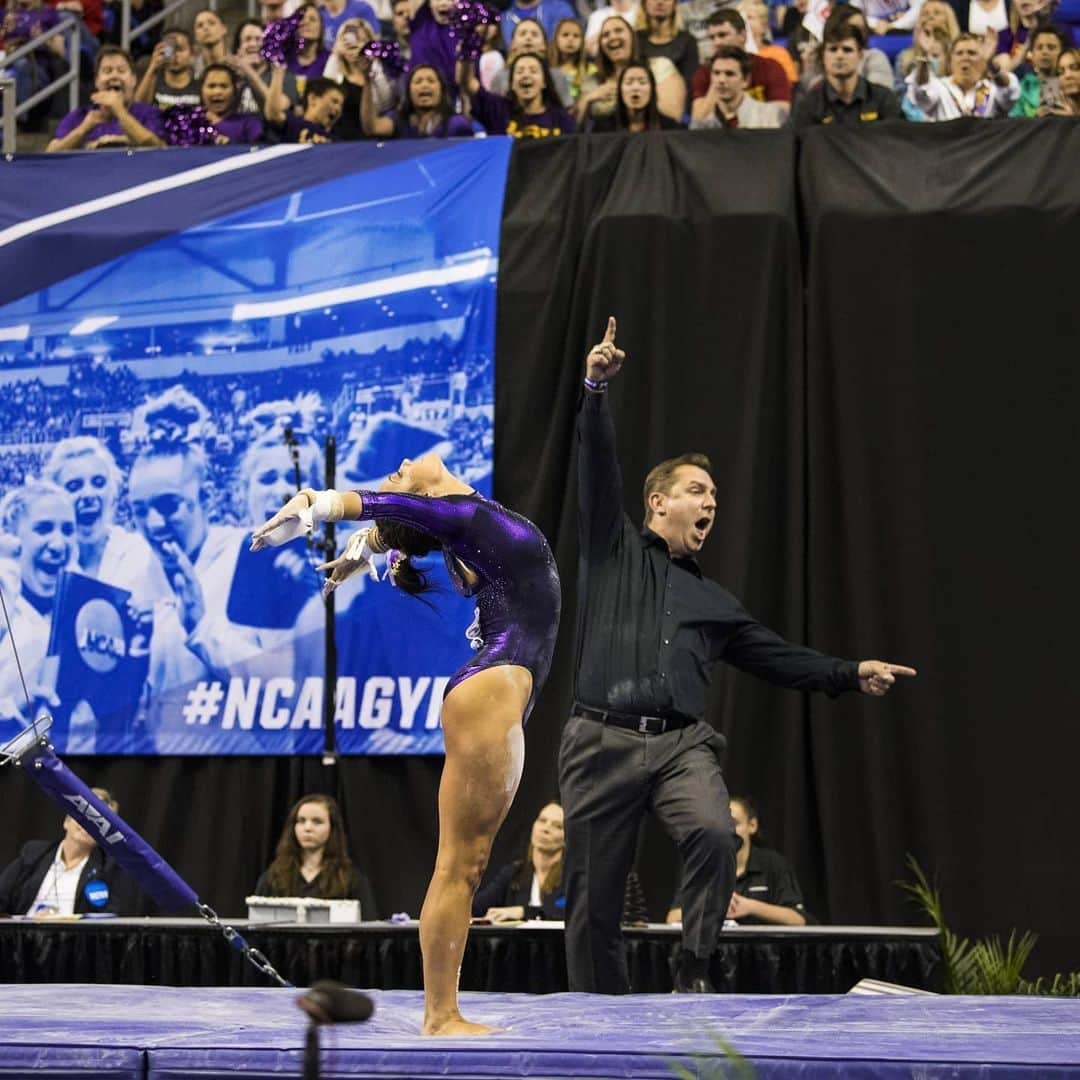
388,54
467,21
187,125
282,40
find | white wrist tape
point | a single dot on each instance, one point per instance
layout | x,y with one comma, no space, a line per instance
328,506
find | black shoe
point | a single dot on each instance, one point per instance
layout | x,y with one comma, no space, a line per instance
691,975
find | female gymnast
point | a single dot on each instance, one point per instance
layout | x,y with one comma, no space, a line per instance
504,561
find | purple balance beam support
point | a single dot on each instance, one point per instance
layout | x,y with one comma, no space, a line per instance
113,835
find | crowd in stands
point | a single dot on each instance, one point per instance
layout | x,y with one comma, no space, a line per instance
547,68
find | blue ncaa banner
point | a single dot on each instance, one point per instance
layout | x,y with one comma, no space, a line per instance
168,385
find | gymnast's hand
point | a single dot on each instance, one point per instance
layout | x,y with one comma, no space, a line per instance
877,677
355,558
605,360
292,520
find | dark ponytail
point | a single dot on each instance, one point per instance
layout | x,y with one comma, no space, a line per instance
411,543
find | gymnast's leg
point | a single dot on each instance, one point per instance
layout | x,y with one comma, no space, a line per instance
485,752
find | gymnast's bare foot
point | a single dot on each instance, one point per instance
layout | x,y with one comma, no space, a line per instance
457,1026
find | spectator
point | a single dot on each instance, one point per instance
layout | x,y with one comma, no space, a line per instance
875,65
934,15
974,87
660,33
72,877
253,66
618,47
766,890
1040,84
84,467
566,57
323,102
531,888
546,12
431,39
845,96
1069,84
767,79
984,15
357,76
220,99
112,119
20,23
90,14
41,518
727,103
891,16
1025,17
312,858
693,14
271,11
755,14
530,38
400,32
425,113
529,110
169,78
337,12
628,9
310,61
493,53
210,34
934,45
635,104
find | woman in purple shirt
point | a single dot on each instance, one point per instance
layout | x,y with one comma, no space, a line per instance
503,561
310,61
530,110
220,99
424,114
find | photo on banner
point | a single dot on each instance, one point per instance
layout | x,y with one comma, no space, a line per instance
156,407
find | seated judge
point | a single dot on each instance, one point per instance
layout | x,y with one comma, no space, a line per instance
71,877
312,858
766,890
532,888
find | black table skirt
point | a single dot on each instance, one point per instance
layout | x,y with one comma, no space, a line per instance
818,960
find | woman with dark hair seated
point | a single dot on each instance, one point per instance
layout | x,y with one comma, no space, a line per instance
425,113
312,858
502,560
766,890
532,888
530,109
635,104
220,92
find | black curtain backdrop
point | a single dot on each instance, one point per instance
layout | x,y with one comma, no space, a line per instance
896,485
942,435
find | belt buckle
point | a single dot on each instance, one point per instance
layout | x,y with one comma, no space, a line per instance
645,721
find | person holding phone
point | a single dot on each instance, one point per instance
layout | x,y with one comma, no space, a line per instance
169,78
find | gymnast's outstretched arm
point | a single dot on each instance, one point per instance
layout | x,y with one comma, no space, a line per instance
445,519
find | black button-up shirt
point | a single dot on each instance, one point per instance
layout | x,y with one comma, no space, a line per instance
650,626
824,105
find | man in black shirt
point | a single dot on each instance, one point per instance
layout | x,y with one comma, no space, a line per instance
649,628
844,96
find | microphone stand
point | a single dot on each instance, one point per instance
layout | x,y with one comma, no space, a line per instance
327,550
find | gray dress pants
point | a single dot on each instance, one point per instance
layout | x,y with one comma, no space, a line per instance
608,778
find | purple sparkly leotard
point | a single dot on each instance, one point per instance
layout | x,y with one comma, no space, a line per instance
517,595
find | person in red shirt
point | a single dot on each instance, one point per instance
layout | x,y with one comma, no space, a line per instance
767,79
92,13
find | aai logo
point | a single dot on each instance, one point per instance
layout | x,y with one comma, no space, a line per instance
99,635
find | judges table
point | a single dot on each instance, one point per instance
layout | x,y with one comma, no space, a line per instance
527,958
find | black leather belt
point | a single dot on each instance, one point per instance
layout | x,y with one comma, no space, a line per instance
644,725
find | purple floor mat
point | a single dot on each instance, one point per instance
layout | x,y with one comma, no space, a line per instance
166,1033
